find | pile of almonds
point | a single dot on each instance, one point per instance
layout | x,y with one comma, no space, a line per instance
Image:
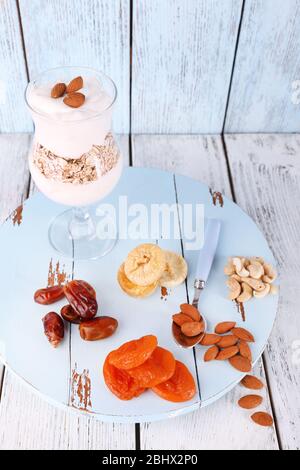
234,347
81,309
250,277
72,98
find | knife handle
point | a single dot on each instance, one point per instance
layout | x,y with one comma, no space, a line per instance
207,253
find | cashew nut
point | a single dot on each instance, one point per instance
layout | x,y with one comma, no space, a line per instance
229,268
273,289
270,272
256,259
256,284
239,267
246,293
236,277
234,288
256,270
263,292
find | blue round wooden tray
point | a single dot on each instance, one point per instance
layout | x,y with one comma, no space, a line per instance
71,375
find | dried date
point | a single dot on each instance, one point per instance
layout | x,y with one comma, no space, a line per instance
68,313
53,328
81,297
49,295
97,328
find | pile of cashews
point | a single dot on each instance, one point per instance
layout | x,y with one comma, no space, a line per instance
250,277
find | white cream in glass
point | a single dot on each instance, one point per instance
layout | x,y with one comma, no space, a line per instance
74,159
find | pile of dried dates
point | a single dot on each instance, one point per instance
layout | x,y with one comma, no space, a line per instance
81,310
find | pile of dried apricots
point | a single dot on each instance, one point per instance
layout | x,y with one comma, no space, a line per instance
141,364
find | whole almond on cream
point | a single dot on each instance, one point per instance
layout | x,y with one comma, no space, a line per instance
58,90
74,100
75,85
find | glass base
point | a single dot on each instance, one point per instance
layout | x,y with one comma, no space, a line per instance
73,234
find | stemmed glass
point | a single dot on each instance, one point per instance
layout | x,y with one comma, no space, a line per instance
75,159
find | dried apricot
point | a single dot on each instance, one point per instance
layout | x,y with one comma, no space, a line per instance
119,382
180,387
133,353
158,368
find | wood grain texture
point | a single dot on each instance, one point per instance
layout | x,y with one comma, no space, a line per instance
267,64
27,421
181,65
201,157
82,32
14,179
13,79
266,174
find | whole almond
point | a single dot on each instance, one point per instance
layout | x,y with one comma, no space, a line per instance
191,311
181,318
240,363
250,401
75,85
243,334
211,354
251,382
224,327
192,328
210,339
58,90
74,100
227,341
227,353
245,350
262,418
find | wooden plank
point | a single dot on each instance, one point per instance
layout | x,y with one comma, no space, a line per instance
266,174
83,32
13,114
219,425
267,65
181,65
27,421
14,178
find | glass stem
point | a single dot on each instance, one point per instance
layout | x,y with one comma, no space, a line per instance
81,225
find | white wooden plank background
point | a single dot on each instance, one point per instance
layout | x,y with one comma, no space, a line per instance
267,64
266,175
182,58
13,79
81,32
181,64
201,157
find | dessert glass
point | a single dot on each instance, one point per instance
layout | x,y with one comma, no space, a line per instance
74,159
